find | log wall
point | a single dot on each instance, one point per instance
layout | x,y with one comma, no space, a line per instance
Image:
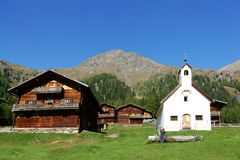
108,115
127,115
108,120
214,109
108,109
47,121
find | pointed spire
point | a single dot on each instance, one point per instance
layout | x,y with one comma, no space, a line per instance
185,57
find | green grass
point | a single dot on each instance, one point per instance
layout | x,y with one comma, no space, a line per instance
219,144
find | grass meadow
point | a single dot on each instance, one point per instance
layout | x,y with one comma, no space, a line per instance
119,143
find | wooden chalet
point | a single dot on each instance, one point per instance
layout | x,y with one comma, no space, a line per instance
108,115
128,115
52,100
131,114
215,108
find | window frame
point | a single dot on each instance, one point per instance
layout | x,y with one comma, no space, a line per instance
31,102
174,118
186,72
185,98
198,117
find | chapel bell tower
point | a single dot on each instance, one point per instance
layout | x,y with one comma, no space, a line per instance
185,74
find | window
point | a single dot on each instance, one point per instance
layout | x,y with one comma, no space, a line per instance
28,116
174,118
106,111
185,72
49,101
199,117
68,101
31,102
185,98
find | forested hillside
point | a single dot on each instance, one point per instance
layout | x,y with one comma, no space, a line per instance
155,89
149,94
108,89
117,77
5,108
217,89
16,73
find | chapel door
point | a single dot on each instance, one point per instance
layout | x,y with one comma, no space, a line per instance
186,121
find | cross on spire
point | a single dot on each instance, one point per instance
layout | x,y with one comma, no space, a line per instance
185,57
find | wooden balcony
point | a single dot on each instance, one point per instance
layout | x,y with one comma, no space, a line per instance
106,115
37,107
137,116
47,90
215,113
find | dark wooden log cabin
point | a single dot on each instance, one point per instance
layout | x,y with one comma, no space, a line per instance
216,106
147,115
108,116
130,115
51,100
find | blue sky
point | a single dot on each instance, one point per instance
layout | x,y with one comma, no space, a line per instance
45,34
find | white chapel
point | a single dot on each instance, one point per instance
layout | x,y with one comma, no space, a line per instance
187,106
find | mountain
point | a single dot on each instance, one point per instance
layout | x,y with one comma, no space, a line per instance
129,77
16,73
233,69
127,66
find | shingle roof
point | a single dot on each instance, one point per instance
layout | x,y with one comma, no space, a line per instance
47,76
130,104
41,78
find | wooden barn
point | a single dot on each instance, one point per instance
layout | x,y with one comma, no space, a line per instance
215,109
131,114
52,100
108,115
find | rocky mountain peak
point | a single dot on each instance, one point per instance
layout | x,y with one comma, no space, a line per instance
233,67
127,66
124,61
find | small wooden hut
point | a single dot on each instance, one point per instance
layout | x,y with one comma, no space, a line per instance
216,106
130,114
108,115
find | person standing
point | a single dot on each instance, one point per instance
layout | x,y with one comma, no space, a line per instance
162,135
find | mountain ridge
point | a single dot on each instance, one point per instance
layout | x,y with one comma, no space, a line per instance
233,67
129,67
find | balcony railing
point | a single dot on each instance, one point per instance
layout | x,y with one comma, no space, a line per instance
45,90
136,116
36,107
106,115
215,113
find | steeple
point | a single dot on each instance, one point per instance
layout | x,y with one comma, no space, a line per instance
185,74
185,57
